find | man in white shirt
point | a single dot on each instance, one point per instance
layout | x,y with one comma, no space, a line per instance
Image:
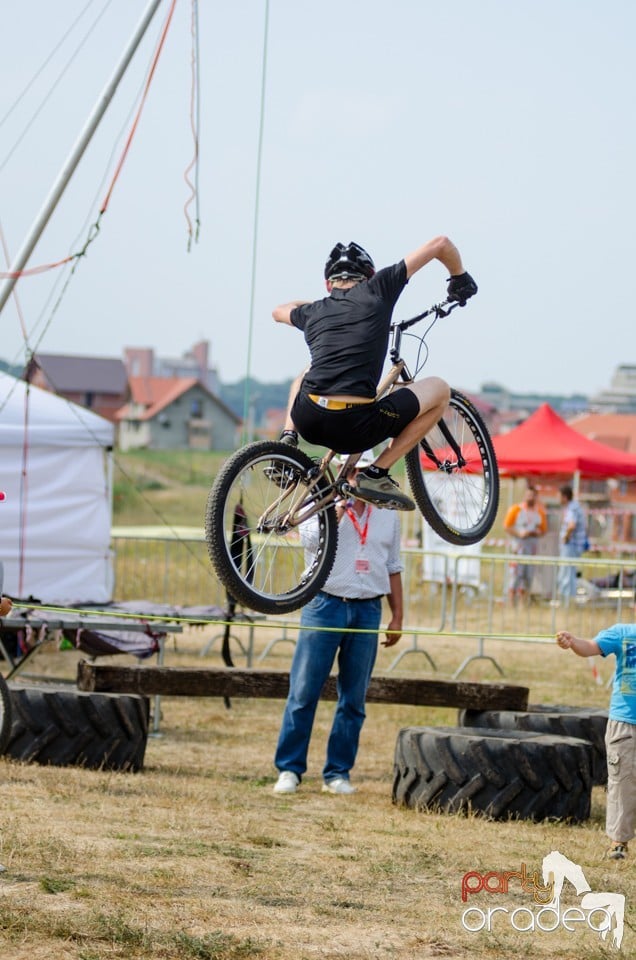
367,567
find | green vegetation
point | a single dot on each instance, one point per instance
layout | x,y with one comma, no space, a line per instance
194,857
16,370
163,486
262,397
170,486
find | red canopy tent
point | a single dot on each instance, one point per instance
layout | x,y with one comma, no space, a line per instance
545,444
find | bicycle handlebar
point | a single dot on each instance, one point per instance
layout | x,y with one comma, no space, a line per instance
436,308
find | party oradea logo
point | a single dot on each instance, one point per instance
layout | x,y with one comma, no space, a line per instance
601,912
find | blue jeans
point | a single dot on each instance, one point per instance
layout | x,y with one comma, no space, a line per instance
314,656
567,574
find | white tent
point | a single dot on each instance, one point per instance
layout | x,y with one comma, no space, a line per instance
55,469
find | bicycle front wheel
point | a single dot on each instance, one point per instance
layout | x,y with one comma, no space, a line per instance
453,475
255,550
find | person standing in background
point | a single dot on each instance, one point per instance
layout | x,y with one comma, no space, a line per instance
525,522
572,540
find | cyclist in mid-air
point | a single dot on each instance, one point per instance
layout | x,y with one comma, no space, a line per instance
347,334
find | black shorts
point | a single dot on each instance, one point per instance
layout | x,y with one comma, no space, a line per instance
358,428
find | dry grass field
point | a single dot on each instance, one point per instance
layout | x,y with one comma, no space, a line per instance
196,858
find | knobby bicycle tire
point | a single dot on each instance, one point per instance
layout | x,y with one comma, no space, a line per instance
260,561
454,476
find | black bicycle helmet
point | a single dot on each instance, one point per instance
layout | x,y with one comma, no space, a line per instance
349,263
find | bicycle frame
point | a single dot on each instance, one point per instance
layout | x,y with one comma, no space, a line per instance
338,487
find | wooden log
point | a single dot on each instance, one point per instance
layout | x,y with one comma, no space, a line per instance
274,684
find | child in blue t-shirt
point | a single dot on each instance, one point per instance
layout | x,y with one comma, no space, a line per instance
620,738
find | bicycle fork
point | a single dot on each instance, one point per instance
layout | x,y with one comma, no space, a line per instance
447,466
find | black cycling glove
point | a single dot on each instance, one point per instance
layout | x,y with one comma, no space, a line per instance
461,288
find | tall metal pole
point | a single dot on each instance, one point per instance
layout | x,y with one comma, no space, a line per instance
76,153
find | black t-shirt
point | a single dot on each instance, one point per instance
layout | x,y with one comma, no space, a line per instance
348,334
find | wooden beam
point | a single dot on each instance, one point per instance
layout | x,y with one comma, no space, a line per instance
274,684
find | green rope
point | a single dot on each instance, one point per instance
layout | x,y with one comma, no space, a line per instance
271,623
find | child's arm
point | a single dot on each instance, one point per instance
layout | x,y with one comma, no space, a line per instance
582,648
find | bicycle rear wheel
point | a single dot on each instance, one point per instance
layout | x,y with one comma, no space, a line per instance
256,554
453,475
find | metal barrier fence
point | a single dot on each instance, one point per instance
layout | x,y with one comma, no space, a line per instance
165,570
459,595
475,598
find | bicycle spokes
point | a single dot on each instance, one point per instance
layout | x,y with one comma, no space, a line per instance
453,475
288,514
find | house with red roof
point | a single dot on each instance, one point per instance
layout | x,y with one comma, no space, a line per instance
175,413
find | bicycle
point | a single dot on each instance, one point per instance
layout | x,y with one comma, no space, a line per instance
266,490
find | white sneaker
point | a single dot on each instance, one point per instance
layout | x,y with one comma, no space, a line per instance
338,785
287,782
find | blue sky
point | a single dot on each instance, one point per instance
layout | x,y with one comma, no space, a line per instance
506,125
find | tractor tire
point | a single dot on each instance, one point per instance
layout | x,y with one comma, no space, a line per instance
501,774
5,714
59,725
582,722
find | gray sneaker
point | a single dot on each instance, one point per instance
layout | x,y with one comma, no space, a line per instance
382,492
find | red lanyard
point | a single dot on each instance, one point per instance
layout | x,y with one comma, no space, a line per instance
361,531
